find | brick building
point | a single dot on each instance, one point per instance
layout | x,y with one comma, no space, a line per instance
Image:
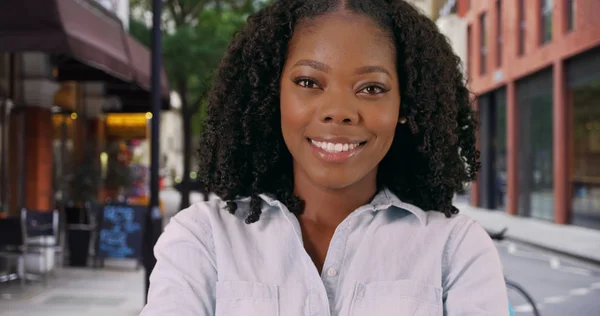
535,67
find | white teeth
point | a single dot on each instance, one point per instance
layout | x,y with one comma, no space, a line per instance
334,147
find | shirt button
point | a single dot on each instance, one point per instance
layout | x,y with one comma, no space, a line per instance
332,272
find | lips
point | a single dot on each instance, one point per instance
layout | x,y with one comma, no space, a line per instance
336,150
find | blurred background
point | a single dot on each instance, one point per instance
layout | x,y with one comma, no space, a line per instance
75,131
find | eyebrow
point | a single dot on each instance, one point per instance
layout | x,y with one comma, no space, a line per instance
372,69
325,68
313,64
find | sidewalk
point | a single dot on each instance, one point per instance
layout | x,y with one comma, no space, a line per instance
116,290
583,243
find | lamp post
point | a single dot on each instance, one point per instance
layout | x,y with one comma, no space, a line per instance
153,215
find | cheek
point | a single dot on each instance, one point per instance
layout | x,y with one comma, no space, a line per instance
384,123
293,113
389,124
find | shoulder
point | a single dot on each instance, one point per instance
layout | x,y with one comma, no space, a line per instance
464,241
453,224
447,233
199,213
202,220
460,229
472,277
193,223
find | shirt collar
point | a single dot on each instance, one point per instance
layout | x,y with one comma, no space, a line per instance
386,199
383,200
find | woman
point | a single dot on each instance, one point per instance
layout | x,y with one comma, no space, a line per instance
337,134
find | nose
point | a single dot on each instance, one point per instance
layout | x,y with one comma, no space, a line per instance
343,113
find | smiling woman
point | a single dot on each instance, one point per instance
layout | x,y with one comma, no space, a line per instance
337,133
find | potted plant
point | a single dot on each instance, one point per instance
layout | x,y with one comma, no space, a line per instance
118,174
80,212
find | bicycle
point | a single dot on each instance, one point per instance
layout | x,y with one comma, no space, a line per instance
499,236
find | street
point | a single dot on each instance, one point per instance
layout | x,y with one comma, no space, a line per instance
561,286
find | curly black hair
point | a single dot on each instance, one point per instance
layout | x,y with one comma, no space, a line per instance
242,152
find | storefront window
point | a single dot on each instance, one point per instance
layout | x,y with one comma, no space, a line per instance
586,154
536,174
492,136
500,146
63,170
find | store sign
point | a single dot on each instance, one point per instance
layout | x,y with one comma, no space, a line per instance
126,126
121,231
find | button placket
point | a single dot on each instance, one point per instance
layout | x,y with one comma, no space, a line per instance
336,252
333,262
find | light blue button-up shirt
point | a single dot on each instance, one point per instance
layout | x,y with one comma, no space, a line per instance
386,258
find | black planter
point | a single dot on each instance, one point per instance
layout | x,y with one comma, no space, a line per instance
77,215
79,246
79,234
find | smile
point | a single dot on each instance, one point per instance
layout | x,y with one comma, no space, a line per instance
335,151
335,147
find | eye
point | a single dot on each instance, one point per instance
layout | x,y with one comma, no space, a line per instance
307,83
373,90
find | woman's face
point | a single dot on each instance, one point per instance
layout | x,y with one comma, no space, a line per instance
340,99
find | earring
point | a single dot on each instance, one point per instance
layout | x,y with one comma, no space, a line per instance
402,120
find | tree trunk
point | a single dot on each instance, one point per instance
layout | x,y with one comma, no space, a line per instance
186,114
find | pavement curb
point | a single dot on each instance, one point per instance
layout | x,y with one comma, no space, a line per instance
585,259
573,241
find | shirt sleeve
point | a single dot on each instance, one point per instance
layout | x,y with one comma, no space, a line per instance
474,282
184,278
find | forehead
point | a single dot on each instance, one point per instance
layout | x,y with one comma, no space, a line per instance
351,34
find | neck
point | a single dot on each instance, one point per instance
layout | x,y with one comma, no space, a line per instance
331,206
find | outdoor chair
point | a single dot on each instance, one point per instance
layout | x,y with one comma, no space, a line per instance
43,236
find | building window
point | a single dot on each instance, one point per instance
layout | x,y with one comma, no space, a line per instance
483,43
586,150
570,14
522,27
492,146
546,21
535,145
499,33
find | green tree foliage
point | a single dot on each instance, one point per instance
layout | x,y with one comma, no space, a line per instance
195,36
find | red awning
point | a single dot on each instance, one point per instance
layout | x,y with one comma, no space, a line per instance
141,59
136,97
86,42
75,28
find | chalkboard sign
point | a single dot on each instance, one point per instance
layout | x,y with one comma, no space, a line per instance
121,231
